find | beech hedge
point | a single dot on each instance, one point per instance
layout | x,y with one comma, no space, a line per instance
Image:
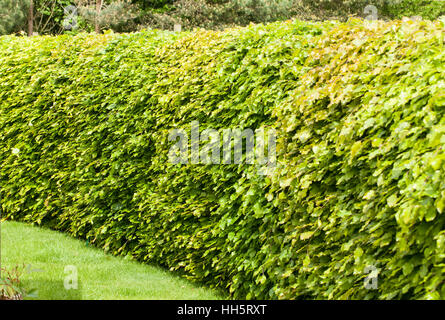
358,193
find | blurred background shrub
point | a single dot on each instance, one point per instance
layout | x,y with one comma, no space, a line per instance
134,15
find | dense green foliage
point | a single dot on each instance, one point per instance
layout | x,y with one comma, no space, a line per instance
359,111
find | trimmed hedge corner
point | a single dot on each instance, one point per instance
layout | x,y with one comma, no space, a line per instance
358,108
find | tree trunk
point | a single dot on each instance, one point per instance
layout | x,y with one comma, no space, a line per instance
31,19
98,7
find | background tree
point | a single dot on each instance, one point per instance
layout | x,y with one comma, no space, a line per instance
13,15
109,14
47,16
98,9
31,18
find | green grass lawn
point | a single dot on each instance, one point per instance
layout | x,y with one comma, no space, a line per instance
100,276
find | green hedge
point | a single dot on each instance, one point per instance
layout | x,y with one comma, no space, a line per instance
360,181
